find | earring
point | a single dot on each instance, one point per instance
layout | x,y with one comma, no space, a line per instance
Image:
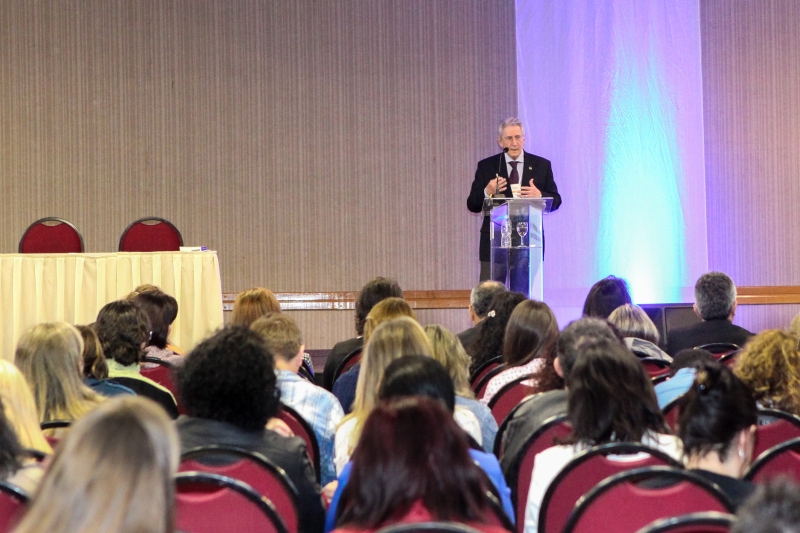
741,453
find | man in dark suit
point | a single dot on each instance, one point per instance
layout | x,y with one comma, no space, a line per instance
496,175
715,304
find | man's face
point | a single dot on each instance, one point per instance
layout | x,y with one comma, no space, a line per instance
513,139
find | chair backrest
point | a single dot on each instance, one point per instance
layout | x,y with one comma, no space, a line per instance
508,397
163,374
210,503
12,504
428,527
481,371
501,429
719,348
252,468
622,504
729,359
51,235
671,413
780,460
151,234
655,367
350,360
706,522
301,428
586,470
774,427
519,473
483,383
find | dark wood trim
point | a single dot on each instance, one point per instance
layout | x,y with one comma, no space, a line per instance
459,299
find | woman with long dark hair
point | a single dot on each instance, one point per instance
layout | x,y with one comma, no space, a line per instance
488,343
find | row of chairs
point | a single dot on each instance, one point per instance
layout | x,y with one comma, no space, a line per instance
56,235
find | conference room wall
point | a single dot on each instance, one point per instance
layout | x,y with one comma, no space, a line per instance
751,85
314,145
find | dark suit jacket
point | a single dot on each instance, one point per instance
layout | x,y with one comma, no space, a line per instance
468,336
706,332
535,168
338,353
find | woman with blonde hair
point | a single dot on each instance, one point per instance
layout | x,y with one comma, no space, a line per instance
389,341
769,364
638,332
113,473
448,351
252,304
49,355
344,388
20,408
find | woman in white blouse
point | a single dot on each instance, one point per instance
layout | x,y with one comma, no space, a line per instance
611,399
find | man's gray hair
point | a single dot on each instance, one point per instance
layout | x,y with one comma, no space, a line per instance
510,121
482,295
714,295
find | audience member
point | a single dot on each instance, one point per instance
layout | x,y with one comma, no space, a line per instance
317,406
774,508
638,332
16,467
605,296
413,464
20,408
769,365
530,416
488,342
345,387
531,336
371,294
230,391
161,310
681,374
611,399
715,304
49,356
252,304
390,340
447,349
717,424
113,473
479,301
95,368
170,310
123,330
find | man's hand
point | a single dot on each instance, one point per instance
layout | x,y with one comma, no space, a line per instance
529,191
495,186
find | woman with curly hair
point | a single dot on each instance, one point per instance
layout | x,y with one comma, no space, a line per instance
769,365
492,330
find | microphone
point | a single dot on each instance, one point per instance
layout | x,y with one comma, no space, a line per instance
500,166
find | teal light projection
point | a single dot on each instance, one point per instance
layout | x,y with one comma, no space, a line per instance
641,226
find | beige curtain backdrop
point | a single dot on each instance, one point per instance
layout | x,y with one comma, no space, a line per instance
313,144
73,287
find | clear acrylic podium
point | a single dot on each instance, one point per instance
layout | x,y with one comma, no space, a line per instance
515,236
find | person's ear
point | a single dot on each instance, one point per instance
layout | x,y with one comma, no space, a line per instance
697,312
557,368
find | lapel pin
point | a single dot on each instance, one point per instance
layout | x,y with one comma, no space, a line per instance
530,168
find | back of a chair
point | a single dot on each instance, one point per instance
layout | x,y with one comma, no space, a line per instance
350,360
586,470
719,348
51,235
151,234
655,367
12,505
508,397
775,427
707,522
428,527
671,413
255,470
729,359
483,383
780,460
163,374
301,428
482,370
501,429
621,504
519,473
210,503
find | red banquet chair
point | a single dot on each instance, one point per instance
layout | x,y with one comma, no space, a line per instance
707,522
774,427
780,460
350,360
586,470
151,234
484,369
163,374
51,235
254,470
501,429
508,397
671,413
519,473
301,428
623,504
655,368
210,503
12,504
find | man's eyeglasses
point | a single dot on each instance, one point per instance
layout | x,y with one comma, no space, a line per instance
514,138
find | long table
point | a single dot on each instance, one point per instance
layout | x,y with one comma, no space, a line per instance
37,288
